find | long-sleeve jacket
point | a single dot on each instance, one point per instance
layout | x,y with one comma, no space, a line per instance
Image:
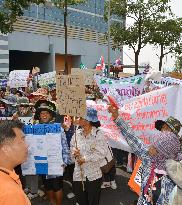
141,150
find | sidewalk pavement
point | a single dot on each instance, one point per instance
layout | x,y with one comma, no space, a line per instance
121,196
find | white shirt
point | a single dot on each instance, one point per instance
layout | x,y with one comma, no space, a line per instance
93,148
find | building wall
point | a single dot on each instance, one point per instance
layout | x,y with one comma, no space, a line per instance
90,52
4,53
60,65
25,60
41,31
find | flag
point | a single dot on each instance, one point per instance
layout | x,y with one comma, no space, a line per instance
82,66
101,64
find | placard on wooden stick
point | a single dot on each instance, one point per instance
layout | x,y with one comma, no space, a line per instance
71,95
88,74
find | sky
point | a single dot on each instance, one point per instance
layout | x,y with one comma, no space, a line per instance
148,54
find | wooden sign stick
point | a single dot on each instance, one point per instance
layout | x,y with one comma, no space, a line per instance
81,168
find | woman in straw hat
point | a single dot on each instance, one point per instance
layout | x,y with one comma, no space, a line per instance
46,113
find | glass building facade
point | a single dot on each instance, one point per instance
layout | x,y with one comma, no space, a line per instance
88,15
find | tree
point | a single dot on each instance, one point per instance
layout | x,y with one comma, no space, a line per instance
142,12
63,4
10,10
166,34
178,64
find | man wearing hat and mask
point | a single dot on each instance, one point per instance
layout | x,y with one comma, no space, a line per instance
46,113
23,106
166,145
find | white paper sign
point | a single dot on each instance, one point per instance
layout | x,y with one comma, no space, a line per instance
18,78
47,79
45,150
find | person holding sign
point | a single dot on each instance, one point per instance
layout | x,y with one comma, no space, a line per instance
46,114
12,142
166,145
89,149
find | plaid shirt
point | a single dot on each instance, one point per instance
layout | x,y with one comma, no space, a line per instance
141,150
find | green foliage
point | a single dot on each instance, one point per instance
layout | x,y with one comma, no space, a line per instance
166,34
143,13
10,10
61,3
178,64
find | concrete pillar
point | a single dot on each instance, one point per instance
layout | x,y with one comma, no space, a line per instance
52,58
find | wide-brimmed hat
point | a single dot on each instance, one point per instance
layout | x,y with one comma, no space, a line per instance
23,101
41,92
171,122
44,105
91,115
10,100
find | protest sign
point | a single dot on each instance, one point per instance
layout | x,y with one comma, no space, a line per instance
135,179
45,149
71,96
167,81
111,131
18,78
88,74
47,79
3,83
124,88
141,112
25,120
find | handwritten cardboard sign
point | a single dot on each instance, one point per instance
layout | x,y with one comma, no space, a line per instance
88,74
71,96
18,78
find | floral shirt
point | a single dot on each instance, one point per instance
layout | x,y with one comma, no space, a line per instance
141,150
94,149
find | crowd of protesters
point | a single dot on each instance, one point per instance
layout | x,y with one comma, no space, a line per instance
84,157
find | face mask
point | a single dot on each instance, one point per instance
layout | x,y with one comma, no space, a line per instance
23,110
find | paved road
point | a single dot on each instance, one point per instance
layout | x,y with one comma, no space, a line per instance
121,196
